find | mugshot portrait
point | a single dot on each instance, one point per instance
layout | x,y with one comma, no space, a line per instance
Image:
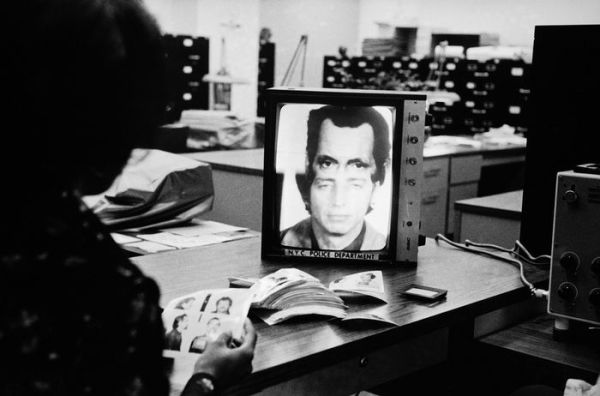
174,335
223,305
207,328
366,279
234,302
336,179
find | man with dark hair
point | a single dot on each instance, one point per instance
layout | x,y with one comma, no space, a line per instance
223,305
347,152
173,337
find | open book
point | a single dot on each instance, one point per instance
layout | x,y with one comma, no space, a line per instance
194,319
290,292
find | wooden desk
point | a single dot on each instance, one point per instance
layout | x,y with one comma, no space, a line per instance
320,356
493,219
451,173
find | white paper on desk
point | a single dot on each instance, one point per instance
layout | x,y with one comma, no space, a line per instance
182,242
150,247
368,283
122,239
235,235
203,227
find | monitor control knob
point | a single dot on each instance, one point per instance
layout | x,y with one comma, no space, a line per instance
569,261
595,267
567,291
594,297
570,196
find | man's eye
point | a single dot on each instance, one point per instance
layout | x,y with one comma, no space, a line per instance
360,165
324,164
323,184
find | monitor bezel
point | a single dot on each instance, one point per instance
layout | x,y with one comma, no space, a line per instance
270,244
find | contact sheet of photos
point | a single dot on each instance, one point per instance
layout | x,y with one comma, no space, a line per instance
193,320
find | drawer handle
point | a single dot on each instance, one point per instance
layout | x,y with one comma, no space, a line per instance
430,200
363,361
432,172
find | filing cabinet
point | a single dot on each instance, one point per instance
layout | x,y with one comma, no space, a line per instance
434,196
446,180
465,172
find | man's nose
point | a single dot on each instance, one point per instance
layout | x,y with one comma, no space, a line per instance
339,194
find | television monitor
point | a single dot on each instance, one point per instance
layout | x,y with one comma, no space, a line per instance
564,123
342,174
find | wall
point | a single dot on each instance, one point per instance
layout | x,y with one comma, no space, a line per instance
328,24
237,21
175,16
513,20
331,23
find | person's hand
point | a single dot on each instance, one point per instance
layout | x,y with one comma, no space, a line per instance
228,365
576,387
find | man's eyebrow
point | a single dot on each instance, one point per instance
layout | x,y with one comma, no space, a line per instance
323,157
324,179
358,161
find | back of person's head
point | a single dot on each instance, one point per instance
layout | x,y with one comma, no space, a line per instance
84,80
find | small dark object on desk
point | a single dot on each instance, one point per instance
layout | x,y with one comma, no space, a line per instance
425,293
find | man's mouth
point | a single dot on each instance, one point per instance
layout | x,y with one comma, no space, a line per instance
336,218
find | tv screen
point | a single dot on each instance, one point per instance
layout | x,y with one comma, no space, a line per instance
334,167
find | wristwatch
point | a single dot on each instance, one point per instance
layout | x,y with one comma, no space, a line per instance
200,384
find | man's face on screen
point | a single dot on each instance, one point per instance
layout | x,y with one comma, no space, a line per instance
341,191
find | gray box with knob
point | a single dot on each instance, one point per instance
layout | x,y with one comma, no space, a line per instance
574,291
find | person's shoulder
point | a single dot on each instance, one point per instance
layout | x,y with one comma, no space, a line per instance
297,235
373,239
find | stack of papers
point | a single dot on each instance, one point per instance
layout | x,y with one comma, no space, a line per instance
287,293
453,141
198,233
290,292
503,136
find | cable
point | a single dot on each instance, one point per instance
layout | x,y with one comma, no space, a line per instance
534,291
489,246
512,252
543,256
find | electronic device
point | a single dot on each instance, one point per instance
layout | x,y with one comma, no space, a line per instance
318,190
563,110
426,293
574,291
